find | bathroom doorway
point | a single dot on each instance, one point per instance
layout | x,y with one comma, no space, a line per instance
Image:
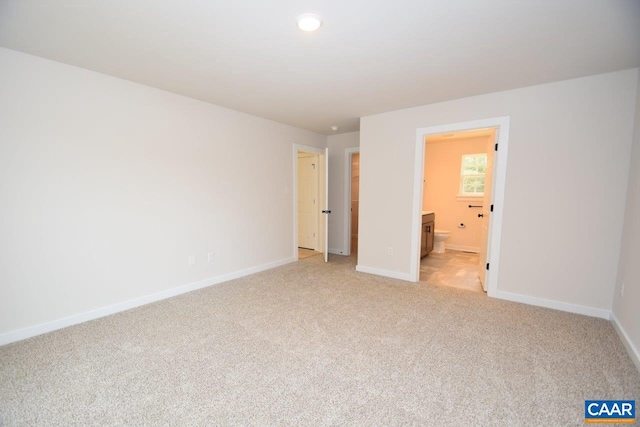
456,180
485,209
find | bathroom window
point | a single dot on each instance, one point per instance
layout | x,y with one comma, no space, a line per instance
472,173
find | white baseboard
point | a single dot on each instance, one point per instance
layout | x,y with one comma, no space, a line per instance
556,305
21,334
633,352
385,273
337,251
473,249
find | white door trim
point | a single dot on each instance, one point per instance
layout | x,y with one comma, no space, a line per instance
305,149
346,244
497,196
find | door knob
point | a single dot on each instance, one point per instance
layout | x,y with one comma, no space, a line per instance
480,215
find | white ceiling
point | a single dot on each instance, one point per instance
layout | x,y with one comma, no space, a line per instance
369,56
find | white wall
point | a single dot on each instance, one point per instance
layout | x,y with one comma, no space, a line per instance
107,186
442,164
567,171
626,308
337,145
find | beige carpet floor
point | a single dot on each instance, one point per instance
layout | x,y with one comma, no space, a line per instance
318,345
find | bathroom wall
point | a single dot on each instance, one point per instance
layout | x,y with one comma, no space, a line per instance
442,185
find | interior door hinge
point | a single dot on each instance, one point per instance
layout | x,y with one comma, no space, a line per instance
496,147
487,266
491,208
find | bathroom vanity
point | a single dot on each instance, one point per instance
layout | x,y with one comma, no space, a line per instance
427,231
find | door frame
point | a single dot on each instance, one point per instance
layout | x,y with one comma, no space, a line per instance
497,193
348,155
305,149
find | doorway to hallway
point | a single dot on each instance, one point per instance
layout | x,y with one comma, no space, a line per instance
355,202
310,197
308,201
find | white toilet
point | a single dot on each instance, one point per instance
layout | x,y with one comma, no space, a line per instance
439,237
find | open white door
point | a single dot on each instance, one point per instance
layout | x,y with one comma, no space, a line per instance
325,207
486,211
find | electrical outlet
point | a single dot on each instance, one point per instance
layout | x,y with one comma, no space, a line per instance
390,251
621,289
192,260
210,257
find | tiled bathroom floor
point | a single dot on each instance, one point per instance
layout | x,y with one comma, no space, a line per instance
452,268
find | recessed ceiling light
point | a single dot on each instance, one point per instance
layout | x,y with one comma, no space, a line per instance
334,128
309,21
